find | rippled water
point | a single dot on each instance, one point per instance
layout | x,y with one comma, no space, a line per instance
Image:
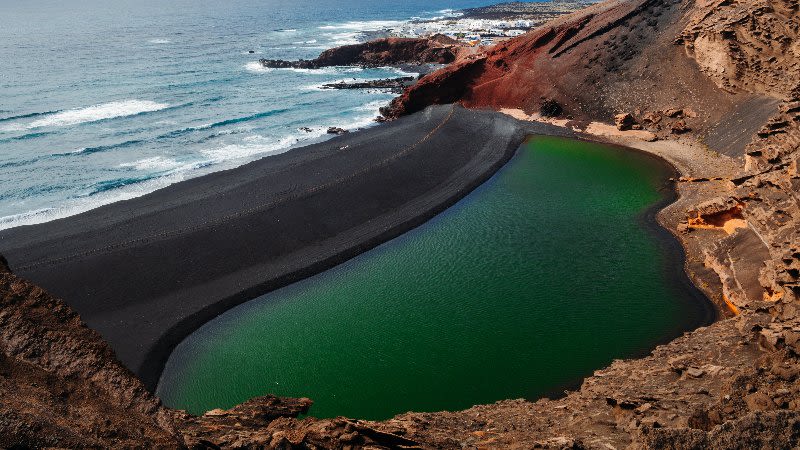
545,273
106,100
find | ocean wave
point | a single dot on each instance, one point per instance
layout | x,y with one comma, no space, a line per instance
96,113
159,41
372,106
101,148
252,146
77,205
164,171
27,136
223,123
340,39
27,116
257,67
19,163
366,25
157,163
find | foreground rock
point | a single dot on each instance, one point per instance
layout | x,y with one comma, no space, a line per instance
381,52
60,384
733,384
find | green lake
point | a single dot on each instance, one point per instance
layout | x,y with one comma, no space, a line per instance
545,273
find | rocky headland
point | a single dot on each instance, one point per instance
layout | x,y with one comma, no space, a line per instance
711,86
377,53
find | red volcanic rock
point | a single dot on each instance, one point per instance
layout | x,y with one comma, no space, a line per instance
622,56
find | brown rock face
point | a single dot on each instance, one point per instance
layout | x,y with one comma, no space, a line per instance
60,384
380,52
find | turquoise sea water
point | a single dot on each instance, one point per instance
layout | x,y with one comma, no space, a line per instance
106,100
543,274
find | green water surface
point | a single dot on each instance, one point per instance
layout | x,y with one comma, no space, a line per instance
543,274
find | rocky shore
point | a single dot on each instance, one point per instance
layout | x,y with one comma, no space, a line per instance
711,86
377,53
396,85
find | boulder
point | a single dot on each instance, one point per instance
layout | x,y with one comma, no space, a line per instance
679,127
759,401
337,130
624,121
550,108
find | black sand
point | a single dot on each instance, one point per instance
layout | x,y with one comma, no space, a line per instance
147,272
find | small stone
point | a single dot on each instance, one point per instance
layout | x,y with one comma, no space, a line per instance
644,408
674,112
679,127
759,401
695,372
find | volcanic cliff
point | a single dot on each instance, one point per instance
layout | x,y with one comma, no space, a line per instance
723,76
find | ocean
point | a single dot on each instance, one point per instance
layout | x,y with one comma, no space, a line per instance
102,101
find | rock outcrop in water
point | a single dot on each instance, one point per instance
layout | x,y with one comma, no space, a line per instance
724,73
395,85
380,52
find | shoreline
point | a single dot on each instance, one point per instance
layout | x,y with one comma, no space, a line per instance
201,231
686,158
676,250
148,361
704,314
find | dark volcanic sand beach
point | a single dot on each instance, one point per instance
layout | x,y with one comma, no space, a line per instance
147,272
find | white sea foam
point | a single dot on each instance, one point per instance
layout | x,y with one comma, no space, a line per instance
97,112
333,70
257,67
214,159
159,41
363,25
344,38
155,163
372,106
75,206
253,146
12,128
